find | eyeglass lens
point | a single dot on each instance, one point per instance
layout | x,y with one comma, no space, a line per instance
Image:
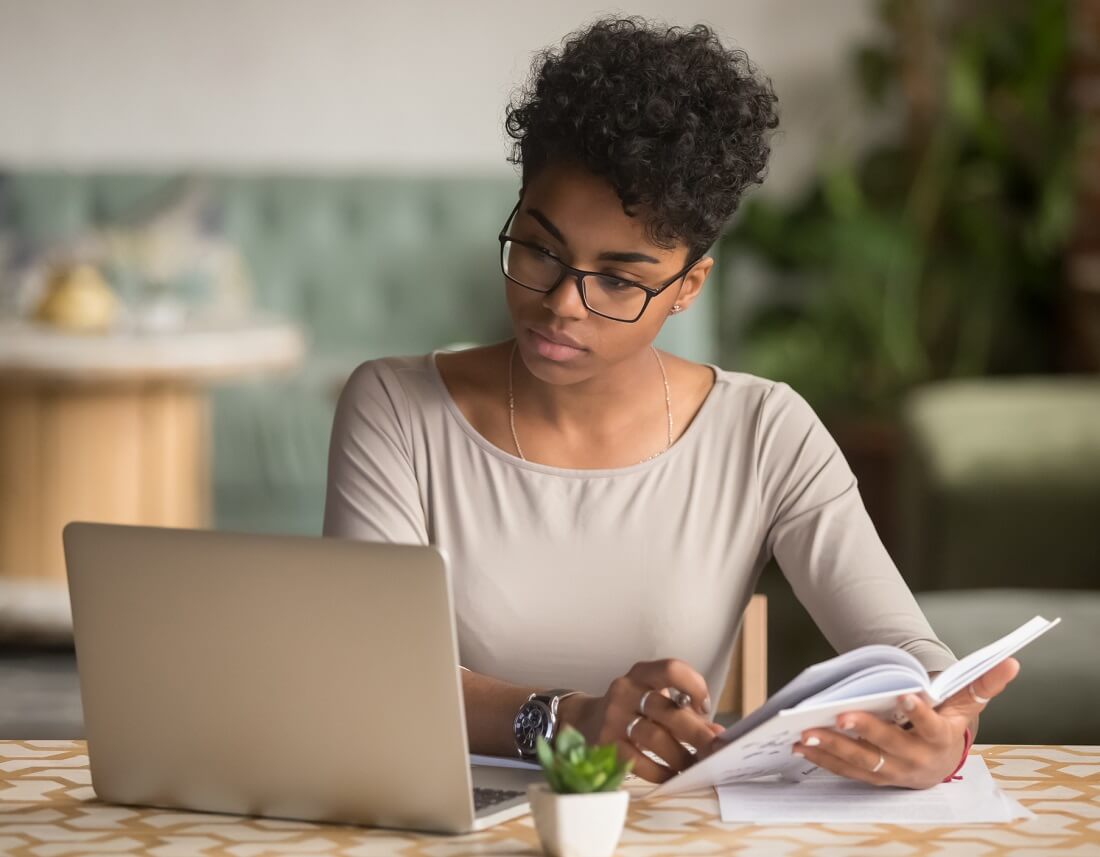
539,272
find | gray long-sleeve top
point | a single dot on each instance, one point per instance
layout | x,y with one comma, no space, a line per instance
565,578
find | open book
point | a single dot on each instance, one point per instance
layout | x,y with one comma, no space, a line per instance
867,679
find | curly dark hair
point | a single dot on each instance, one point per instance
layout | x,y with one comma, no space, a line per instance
675,121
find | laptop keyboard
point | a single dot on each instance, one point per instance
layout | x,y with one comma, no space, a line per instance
487,797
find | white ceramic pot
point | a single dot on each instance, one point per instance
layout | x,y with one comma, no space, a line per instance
578,825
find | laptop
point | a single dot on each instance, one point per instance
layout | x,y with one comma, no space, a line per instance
279,676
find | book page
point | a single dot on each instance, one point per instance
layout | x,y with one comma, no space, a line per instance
761,743
975,665
820,677
826,797
767,749
885,678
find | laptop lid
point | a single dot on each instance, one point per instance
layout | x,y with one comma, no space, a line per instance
271,675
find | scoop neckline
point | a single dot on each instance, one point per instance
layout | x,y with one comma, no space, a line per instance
572,472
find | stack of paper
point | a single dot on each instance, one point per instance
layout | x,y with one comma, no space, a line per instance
826,797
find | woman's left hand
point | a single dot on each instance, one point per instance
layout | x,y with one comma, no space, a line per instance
913,758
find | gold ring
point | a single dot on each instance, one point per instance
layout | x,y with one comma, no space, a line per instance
981,700
633,723
881,762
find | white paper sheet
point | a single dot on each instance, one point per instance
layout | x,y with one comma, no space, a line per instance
825,797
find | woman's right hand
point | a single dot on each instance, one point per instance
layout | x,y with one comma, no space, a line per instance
604,719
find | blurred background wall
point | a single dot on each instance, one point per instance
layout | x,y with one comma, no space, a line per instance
242,201
339,84
352,154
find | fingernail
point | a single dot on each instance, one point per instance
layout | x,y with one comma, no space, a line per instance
847,723
812,741
706,705
909,702
798,753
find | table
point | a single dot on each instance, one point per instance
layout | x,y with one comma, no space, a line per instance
48,808
113,427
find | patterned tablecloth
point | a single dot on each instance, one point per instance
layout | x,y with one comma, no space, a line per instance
48,809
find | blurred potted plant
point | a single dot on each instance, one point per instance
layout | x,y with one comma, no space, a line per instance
580,810
935,253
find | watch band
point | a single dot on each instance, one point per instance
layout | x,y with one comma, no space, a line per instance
549,700
553,697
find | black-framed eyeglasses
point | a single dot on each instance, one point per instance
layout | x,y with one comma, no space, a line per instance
532,266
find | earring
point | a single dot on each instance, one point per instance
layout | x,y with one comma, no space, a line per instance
675,309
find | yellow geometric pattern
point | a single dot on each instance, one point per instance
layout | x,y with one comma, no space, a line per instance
48,809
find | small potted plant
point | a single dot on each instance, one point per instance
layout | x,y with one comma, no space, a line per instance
580,810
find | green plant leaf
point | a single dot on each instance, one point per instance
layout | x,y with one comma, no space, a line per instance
934,254
544,753
555,781
573,781
568,740
576,768
604,756
613,781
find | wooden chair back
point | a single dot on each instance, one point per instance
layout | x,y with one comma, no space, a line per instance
747,680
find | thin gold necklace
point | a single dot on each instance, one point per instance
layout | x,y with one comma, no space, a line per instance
512,405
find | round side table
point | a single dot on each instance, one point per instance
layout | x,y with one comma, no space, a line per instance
113,428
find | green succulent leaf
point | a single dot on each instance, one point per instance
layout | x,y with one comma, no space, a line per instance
568,740
614,781
544,753
576,768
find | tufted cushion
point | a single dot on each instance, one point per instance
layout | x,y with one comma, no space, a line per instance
1009,433
1055,698
1001,483
34,613
369,265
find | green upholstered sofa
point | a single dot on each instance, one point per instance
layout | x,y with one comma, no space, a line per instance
369,265
999,520
1001,484
1000,494
1057,696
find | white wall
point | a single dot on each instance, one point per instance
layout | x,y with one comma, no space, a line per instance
339,84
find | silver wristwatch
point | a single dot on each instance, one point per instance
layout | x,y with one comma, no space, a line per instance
537,716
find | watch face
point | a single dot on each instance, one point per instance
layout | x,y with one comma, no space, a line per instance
532,720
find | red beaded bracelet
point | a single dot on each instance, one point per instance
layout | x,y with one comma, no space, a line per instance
968,740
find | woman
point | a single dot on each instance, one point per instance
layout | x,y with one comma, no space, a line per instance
607,507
